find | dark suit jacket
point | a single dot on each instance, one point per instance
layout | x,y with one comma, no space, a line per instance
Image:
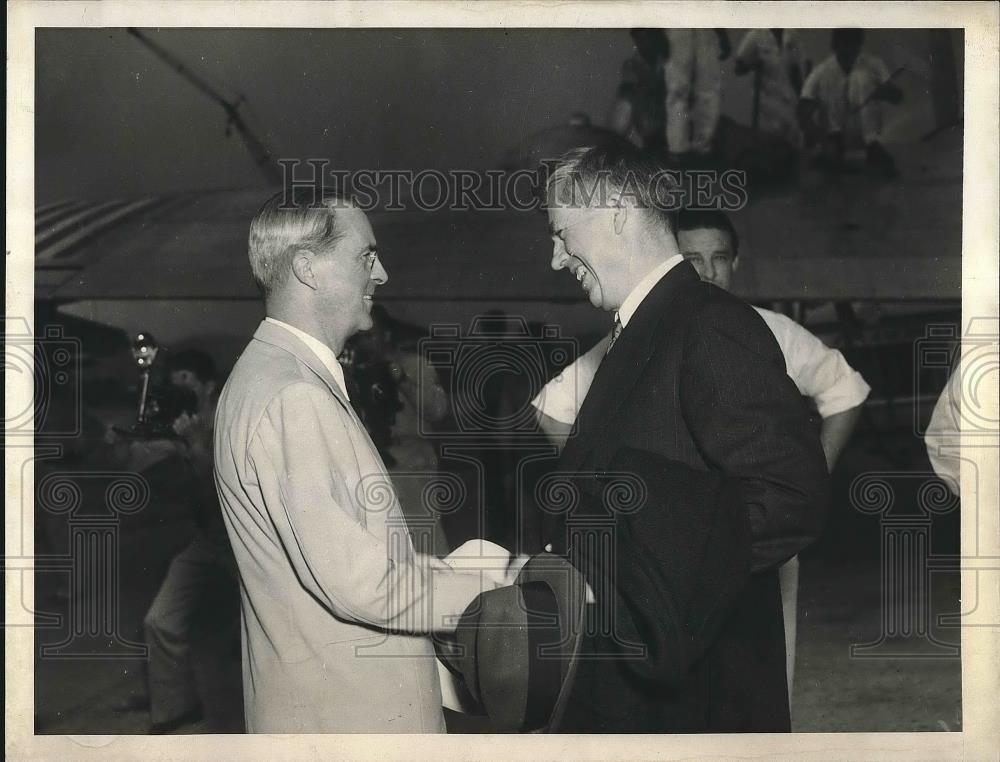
695,379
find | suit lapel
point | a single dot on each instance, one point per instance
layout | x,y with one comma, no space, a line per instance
275,335
621,369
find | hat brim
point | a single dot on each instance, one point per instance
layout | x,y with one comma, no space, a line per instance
516,647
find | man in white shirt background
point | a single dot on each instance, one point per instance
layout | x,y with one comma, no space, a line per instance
841,103
693,73
776,58
709,241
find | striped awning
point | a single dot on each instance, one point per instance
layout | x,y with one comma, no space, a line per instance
62,228
66,231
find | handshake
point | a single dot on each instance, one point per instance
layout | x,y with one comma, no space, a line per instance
498,566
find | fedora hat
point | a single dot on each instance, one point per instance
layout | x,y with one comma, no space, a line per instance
515,648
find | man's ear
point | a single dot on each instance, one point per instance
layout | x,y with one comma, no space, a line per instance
736,262
621,215
302,268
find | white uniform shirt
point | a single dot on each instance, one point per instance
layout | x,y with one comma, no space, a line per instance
778,97
817,370
845,97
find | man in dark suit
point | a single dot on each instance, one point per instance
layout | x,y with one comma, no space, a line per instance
692,403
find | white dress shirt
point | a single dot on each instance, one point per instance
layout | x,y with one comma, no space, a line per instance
323,353
562,397
641,291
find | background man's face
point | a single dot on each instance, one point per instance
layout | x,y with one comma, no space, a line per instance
847,55
582,244
650,43
711,252
346,276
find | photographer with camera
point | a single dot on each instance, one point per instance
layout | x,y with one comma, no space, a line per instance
189,402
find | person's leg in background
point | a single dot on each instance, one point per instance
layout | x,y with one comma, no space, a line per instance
706,90
831,116
860,87
788,578
868,112
678,73
173,694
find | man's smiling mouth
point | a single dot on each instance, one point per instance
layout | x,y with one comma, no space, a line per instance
581,271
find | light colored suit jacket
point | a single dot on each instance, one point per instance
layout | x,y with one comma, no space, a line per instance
336,603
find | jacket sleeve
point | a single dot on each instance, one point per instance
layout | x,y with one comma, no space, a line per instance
749,421
308,474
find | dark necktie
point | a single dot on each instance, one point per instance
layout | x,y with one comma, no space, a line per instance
614,334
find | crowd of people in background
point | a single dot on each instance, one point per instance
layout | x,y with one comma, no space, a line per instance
670,96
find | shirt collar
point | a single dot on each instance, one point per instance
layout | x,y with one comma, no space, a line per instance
321,350
634,299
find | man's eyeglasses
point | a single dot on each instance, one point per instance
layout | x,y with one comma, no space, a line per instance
370,257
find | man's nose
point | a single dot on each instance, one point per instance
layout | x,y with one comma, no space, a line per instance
559,255
379,275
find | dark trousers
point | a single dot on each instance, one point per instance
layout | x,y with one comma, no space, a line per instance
170,621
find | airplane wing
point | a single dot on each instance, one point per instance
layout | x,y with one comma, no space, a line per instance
851,239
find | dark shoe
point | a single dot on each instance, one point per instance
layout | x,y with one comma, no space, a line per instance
188,718
880,161
134,703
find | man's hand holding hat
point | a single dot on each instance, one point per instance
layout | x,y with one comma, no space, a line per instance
492,560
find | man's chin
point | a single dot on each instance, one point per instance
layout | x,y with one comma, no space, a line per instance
365,322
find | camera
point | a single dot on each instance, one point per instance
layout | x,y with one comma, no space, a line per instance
494,371
52,361
160,403
164,404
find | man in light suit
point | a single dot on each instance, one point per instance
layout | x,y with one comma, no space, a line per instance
337,605
692,379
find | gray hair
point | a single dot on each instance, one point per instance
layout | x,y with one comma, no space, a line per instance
303,218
